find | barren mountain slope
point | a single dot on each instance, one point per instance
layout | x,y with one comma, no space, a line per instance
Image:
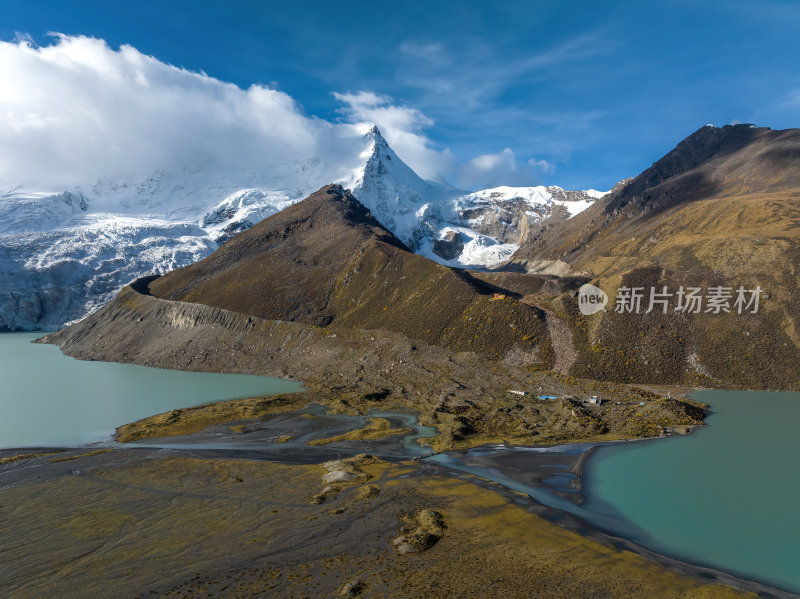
721,210
326,261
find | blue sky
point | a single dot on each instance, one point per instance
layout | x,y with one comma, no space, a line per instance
589,92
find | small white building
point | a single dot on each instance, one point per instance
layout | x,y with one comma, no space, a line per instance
595,400
516,392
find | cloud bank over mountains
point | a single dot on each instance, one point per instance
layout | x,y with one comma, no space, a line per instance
78,110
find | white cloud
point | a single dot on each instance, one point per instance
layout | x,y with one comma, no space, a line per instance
548,168
469,77
403,128
77,110
493,170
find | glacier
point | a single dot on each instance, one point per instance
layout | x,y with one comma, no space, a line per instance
66,252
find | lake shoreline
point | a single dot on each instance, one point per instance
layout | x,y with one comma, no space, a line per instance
425,470
201,445
723,494
698,573
682,563
576,523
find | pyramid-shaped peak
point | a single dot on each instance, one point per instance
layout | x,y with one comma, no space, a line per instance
376,140
377,150
374,132
391,190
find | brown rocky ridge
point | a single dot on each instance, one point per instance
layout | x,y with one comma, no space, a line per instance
720,210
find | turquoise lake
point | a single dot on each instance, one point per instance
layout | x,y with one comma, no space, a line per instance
48,399
725,496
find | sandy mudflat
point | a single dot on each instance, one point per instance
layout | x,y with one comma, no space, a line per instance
207,522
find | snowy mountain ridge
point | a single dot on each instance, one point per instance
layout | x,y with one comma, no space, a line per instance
65,252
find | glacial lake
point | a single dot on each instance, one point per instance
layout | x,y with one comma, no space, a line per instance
726,496
48,399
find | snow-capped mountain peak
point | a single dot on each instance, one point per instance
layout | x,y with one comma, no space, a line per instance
451,226
382,166
399,198
66,252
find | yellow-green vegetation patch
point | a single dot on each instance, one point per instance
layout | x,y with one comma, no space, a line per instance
97,523
188,475
376,428
497,539
25,456
82,455
139,522
626,413
368,491
180,527
191,420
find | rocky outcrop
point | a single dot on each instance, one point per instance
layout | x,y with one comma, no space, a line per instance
420,532
450,246
511,218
